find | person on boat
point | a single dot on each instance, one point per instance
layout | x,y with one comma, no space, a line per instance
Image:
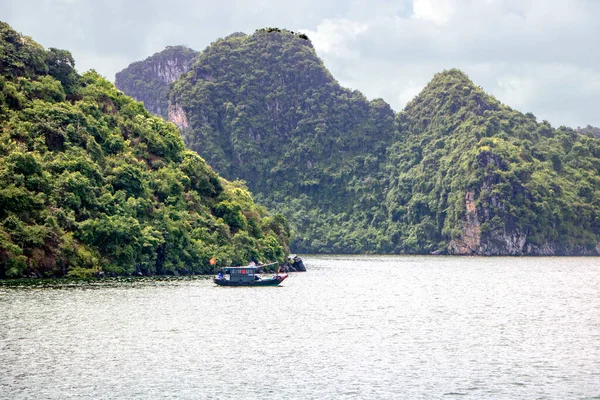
220,275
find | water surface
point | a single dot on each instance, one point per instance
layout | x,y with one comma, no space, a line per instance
351,327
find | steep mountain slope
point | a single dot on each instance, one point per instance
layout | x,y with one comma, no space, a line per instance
473,176
455,172
148,81
91,183
264,109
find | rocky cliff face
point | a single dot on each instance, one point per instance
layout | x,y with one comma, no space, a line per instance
470,241
177,116
504,243
507,239
149,80
511,244
171,69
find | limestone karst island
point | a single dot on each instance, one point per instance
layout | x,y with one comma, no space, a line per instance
250,150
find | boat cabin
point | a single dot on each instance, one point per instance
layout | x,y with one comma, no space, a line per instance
241,274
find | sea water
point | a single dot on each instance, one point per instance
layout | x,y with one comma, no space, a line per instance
351,327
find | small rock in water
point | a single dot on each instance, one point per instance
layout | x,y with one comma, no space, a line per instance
295,264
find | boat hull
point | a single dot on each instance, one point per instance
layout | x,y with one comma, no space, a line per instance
261,282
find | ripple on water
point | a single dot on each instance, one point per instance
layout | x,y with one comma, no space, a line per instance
351,327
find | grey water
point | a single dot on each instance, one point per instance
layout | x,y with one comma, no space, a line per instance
368,327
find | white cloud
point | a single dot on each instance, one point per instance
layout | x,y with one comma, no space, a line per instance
333,37
408,92
437,11
534,55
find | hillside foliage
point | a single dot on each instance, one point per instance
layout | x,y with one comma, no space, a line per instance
529,181
92,183
456,171
264,109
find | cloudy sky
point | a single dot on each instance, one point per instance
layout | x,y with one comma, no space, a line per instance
540,56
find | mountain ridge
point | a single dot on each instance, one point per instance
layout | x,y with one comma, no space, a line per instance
456,171
507,165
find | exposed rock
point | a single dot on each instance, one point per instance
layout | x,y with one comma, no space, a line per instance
149,80
177,116
471,238
505,244
286,268
545,249
295,264
170,70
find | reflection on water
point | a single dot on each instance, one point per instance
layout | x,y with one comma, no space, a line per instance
351,327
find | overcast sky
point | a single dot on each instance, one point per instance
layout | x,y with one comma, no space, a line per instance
540,56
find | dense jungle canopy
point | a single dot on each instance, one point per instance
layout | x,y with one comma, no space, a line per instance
92,183
454,172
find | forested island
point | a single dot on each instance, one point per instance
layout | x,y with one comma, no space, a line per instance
455,172
92,184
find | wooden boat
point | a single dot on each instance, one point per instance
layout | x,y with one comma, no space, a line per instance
246,276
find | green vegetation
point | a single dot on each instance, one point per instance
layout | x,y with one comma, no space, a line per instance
536,189
264,109
91,183
456,171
